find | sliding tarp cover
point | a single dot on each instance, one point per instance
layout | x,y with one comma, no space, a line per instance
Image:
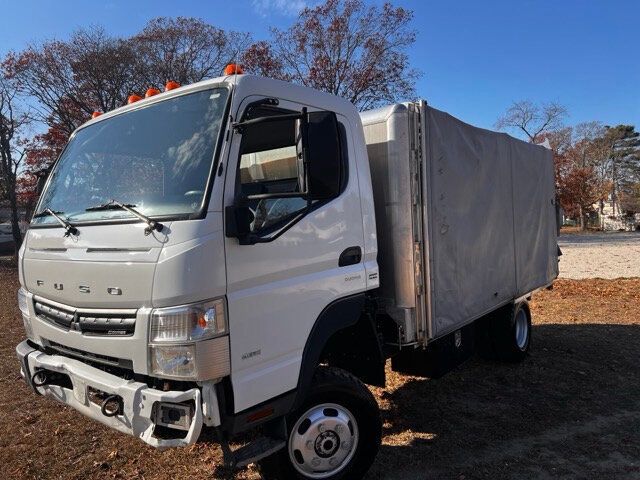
492,219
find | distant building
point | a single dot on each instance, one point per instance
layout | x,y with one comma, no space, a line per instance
610,221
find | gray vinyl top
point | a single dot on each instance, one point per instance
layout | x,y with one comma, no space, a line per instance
487,219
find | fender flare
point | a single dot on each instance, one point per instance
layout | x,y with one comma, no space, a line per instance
340,314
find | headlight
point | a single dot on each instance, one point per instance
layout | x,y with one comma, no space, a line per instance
173,360
190,342
188,323
204,360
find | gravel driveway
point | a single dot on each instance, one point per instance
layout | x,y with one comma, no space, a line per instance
600,255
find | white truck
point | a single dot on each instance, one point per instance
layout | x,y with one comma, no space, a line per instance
245,254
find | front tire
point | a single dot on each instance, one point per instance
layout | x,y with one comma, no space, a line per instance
335,434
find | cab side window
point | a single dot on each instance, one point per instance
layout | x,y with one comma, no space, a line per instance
270,164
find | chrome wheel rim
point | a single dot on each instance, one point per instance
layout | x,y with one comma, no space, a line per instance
323,441
522,329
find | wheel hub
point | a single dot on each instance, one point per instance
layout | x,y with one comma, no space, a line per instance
327,443
323,441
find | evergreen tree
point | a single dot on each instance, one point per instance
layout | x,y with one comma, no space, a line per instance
623,161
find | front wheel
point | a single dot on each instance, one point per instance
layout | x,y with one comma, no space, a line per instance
334,435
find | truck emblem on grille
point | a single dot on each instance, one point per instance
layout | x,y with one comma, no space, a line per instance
82,288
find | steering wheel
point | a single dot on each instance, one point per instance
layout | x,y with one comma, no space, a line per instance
191,193
267,215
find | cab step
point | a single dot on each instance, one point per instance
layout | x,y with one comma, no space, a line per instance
273,440
256,450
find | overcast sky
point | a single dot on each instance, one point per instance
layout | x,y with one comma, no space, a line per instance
476,56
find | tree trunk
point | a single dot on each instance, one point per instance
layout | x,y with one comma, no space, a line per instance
15,223
582,220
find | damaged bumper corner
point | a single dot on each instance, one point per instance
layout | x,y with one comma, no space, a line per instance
138,401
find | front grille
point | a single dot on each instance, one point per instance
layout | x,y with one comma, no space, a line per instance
115,323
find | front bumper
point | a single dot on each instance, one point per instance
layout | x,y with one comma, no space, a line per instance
138,399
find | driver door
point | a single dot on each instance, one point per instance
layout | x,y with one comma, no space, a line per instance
276,289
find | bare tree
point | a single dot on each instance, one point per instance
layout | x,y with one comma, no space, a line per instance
185,50
11,156
343,47
532,120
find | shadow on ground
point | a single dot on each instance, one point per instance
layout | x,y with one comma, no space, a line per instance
572,409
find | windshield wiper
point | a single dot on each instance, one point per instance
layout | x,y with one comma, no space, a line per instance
115,205
69,228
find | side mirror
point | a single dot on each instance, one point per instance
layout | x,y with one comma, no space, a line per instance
323,156
238,220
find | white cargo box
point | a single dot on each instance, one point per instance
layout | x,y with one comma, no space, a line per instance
466,218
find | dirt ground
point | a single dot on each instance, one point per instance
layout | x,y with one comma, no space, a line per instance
571,410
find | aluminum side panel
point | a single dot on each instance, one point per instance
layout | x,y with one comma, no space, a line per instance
389,151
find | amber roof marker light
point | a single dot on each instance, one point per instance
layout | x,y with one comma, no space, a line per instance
233,69
171,85
133,99
151,92
96,114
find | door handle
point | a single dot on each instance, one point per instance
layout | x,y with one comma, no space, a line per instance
350,256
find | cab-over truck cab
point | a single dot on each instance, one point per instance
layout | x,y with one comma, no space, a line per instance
220,235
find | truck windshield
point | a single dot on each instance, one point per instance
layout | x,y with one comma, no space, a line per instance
157,158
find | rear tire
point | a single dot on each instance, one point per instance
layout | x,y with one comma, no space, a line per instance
335,434
505,335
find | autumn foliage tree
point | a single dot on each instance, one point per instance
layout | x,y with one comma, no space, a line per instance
96,71
579,175
343,47
41,151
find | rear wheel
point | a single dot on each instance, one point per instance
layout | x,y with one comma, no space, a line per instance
505,334
334,435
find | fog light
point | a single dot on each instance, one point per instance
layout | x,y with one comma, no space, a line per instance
173,415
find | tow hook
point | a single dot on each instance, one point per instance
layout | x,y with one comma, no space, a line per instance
111,406
39,379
